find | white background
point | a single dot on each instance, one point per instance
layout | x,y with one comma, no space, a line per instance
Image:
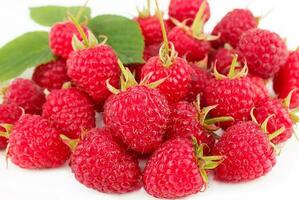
281,183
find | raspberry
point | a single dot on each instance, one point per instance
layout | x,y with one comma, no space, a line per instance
287,79
70,110
259,89
264,51
232,26
60,38
26,94
222,59
51,75
247,151
100,163
35,144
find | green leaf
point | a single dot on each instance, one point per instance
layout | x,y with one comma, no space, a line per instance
124,35
49,15
28,50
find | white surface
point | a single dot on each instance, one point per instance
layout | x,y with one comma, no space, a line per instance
59,184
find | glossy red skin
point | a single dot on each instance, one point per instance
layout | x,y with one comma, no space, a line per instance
184,123
280,119
187,9
172,171
287,79
176,86
248,153
60,38
51,75
234,98
188,46
200,78
90,68
26,94
138,117
232,26
35,144
100,163
264,51
70,110
9,114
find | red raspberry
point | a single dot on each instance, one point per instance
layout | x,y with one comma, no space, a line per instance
259,89
70,110
100,163
187,9
138,117
9,114
222,59
200,78
90,68
187,45
175,170
178,74
61,35
247,153
287,79
233,25
264,51
280,119
35,144
51,75
26,94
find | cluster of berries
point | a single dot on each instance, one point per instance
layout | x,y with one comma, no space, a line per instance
167,111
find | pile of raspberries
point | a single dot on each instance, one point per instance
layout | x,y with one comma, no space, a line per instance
198,105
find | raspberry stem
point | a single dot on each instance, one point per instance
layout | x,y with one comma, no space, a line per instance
197,26
80,30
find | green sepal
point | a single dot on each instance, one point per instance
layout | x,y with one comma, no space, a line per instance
145,12
7,132
71,143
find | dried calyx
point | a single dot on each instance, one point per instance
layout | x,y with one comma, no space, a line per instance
292,112
205,162
7,132
233,72
145,12
196,30
128,80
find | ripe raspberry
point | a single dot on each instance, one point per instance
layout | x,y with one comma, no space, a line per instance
138,117
200,78
178,74
176,169
187,9
233,25
247,151
187,45
35,144
287,79
280,119
100,163
222,59
60,38
9,114
264,51
70,110
259,89
51,75
26,94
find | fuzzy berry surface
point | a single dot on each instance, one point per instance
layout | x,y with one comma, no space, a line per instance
259,89
287,79
177,84
172,171
9,114
60,38
264,51
186,45
51,75
138,117
187,9
232,26
70,110
35,144
100,163
200,78
222,59
234,98
90,68
280,119
184,122
26,94
248,153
